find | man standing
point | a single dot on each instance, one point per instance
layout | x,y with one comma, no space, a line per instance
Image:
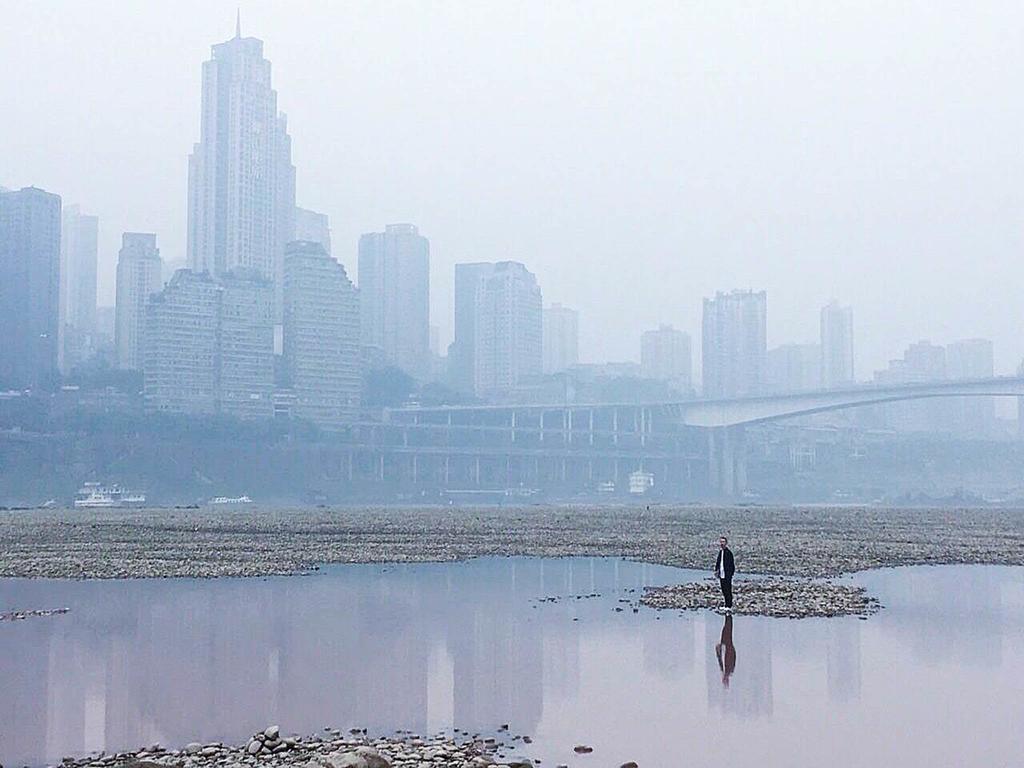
725,567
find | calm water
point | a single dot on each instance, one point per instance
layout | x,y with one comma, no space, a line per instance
936,679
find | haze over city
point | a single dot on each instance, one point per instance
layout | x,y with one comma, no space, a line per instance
636,158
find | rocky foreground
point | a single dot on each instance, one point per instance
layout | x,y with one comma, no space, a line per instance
272,749
812,542
780,598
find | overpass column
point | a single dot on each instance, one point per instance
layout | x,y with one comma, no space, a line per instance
727,460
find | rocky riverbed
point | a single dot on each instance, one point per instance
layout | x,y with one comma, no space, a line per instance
811,542
781,598
271,748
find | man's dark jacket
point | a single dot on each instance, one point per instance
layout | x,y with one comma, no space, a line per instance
730,564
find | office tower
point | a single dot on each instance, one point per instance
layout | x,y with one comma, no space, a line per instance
394,294
139,273
30,222
181,345
561,338
836,346
508,328
313,227
971,359
78,253
922,363
209,345
734,333
462,350
665,356
793,368
245,365
170,267
321,336
241,181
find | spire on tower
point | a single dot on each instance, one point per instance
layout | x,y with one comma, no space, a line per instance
238,22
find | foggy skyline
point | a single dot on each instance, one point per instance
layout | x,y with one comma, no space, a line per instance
635,160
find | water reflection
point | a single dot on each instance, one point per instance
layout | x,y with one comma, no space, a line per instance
435,646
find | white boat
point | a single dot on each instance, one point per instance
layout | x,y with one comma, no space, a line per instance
218,500
99,496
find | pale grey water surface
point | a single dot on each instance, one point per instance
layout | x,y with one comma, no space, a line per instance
935,679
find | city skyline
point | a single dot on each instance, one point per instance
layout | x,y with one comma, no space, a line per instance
848,264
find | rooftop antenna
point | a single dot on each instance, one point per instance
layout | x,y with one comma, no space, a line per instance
238,23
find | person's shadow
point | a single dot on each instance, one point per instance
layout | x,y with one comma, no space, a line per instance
726,652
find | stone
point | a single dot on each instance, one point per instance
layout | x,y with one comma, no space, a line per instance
254,747
272,732
582,749
193,748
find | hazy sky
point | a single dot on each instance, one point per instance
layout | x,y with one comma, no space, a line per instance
636,156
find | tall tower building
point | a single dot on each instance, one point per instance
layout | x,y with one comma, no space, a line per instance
312,227
30,222
462,351
561,338
394,294
734,335
321,336
509,329
241,181
665,355
139,275
972,359
836,346
78,253
245,345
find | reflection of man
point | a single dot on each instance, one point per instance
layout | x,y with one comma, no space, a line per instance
725,567
726,652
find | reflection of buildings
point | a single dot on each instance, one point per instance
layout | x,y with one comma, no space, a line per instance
749,689
842,660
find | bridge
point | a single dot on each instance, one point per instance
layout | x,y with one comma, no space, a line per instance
695,443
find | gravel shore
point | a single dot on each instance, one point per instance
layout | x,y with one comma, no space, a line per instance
806,542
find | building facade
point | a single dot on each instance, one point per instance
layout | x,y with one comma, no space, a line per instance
313,227
241,181
139,276
78,256
30,229
462,350
561,338
665,356
972,359
734,343
508,329
394,294
836,346
209,345
321,337
793,368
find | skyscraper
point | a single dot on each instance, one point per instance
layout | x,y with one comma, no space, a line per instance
561,338
30,222
209,345
734,334
665,356
462,351
241,181
793,368
971,359
394,294
836,346
313,227
138,277
321,336
508,328
78,252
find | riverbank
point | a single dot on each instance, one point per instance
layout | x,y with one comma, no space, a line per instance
208,543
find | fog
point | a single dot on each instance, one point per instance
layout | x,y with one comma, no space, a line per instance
636,157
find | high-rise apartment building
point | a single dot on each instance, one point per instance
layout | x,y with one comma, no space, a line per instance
462,350
836,346
561,338
793,368
321,336
311,226
394,294
241,181
139,276
922,363
734,336
508,329
78,256
971,359
30,353
665,356
209,345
